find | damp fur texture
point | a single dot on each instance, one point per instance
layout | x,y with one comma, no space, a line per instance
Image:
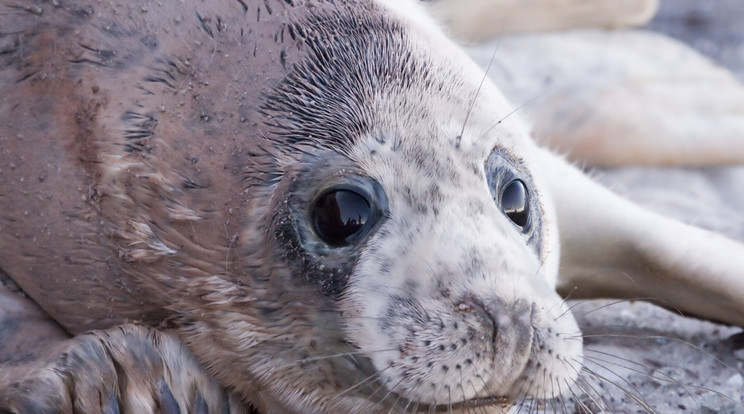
182,149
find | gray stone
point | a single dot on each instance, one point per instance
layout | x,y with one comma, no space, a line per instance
714,403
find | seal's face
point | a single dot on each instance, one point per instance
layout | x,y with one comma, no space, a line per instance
407,199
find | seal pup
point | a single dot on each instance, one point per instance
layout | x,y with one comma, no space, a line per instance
325,203
266,179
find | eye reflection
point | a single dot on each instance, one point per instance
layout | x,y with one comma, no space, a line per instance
514,203
340,215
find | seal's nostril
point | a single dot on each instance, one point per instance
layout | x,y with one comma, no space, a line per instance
533,314
506,326
486,315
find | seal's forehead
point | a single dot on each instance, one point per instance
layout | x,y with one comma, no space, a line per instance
368,72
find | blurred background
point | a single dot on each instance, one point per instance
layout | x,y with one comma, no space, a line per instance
712,27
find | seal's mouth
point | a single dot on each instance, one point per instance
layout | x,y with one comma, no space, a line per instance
481,402
393,399
504,402
412,406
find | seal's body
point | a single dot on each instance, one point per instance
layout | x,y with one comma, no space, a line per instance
186,164
324,201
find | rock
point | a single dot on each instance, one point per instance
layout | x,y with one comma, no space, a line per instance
736,381
714,403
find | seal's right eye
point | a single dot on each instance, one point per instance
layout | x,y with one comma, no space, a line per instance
339,216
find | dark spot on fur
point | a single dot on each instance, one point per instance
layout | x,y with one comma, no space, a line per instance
189,184
243,5
26,76
150,41
204,23
141,127
268,8
94,56
28,9
283,59
83,11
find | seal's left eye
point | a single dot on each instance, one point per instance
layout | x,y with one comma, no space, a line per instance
515,203
339,216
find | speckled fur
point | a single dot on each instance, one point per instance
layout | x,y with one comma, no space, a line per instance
185,145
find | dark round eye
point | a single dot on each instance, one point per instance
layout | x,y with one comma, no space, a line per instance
515,203
339,215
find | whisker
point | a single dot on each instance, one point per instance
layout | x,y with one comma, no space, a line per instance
623,379
615,302
359,384
580,401
475,97
573,394
640,401
343,354
397,400
526,393
579,379
664,377
389,393
513,111
575,304
668,338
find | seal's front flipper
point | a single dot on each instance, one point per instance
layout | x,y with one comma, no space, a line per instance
611,247
126,369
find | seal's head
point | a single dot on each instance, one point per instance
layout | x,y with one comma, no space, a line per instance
408,257
324,198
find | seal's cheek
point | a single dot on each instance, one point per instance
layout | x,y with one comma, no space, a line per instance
557,354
